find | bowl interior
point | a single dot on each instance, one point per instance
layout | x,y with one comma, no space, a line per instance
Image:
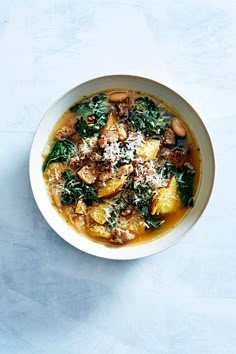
39,188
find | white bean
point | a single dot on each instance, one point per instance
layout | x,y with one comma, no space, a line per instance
178,127
118,96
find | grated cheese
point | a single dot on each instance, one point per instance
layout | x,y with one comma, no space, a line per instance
88,144
146,173
117,151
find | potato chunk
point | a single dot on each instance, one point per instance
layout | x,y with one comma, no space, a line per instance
99,231
80,207
111,123
149,149
167,200
99,213
112,187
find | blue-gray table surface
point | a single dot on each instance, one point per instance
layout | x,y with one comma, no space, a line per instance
57,299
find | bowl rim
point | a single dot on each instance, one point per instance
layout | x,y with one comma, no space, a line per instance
101,250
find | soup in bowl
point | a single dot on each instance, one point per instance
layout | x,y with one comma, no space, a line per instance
120,163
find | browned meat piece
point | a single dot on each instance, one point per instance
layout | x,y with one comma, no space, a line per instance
121,236
96,156
65,132
165,153
122,172
169,137
110,137
76,162
105,176
177,157
123,109
125,170
88,173
102,141
127,211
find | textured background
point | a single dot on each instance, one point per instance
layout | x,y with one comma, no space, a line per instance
56,299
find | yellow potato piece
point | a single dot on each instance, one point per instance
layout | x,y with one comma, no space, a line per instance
134,223
80,207
111,123
167,200
99,231
100,213
149,149
112,187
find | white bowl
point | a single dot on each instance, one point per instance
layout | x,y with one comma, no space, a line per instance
57,222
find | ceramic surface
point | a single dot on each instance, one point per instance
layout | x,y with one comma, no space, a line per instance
140,84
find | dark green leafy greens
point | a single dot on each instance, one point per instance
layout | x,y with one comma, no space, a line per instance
97,107
185,185
113,217
142,199
146,117
120,202
86,130
184,177
167,170
74,189
154,221
61,150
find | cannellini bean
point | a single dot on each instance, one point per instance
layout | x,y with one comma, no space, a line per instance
118,96
178,127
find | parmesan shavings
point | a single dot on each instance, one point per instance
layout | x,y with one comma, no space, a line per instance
117,151
88,144
145,173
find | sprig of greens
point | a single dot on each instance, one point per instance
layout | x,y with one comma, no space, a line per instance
141,199
86,130
61,151
74,189
185,185
98,107
146,117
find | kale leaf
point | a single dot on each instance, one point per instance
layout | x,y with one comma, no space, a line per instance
61,150
86,130
83,128
74,189
98,106
146,117
82,108
167,170
154,221
90,195
185,185
113,218
142,199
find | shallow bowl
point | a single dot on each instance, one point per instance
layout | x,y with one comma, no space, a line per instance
154,89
